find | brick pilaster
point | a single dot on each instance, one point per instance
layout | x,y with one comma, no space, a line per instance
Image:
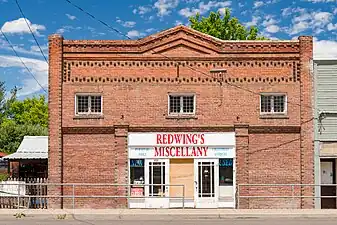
55,118
242,144
121,163
307,124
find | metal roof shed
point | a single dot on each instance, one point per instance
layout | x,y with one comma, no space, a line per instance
31,147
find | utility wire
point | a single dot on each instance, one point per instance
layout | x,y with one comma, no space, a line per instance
17,3
23,62
196,70
102,22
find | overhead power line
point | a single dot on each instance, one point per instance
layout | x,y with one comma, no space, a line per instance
30,29
23,63
102,22
196,70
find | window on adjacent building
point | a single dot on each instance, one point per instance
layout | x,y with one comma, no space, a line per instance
88,104
273,104
181,104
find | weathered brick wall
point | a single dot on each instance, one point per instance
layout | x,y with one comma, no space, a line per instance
134,78
94,159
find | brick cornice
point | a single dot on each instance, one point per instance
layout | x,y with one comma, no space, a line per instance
179,33
229,128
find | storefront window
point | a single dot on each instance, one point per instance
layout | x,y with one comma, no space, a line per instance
226,172
137,177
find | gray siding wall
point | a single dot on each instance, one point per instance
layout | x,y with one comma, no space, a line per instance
325,72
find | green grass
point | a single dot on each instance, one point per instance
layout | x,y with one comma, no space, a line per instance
3,176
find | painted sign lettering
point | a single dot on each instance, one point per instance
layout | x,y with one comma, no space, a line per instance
180,151
185,139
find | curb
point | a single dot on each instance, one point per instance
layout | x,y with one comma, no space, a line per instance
165,214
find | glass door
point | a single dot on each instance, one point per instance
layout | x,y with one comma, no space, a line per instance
157,178
206,178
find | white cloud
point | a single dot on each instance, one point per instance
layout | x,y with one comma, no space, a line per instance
299,27
135,34
19,26
258,4
241,5
191,1
335,11
269,20
178,22
272,28
325,49
289,11
67,28
316,21
71,17
141,10
39,69
5,46
150,30
129,24
164,7
332,26
255,20
318,1
270,24
204,8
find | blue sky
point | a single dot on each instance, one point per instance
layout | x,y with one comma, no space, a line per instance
276,19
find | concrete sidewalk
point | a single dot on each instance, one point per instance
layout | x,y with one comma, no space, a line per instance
168,214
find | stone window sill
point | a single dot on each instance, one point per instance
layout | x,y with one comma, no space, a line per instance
181,117
90,116
274,116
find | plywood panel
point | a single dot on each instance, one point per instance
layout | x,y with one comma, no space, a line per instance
329,149
182,172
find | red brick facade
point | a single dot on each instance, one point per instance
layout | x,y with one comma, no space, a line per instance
135,77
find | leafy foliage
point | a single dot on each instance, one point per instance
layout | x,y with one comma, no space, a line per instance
19,118
3,177
225,28
11,134
29,111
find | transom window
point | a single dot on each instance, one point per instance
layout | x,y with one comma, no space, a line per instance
181,104
88,104
273,104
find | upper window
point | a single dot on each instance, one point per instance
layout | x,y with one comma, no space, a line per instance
181,104
273,104
88,104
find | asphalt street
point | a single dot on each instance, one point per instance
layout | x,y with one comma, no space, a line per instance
267,221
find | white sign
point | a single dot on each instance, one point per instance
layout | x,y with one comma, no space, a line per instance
181,152
181,139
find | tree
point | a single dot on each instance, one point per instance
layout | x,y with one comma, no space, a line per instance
19,118
6,103
11,134
31,111
225,28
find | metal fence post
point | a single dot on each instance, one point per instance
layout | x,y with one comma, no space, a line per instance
129,194
73,196
293,193
238,196
184,196
18,194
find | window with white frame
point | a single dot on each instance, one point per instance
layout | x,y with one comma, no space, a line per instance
273,103
88,104
181,104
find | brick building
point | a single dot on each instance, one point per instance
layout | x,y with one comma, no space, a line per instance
181,108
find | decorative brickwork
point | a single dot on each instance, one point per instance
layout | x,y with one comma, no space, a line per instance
135,78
